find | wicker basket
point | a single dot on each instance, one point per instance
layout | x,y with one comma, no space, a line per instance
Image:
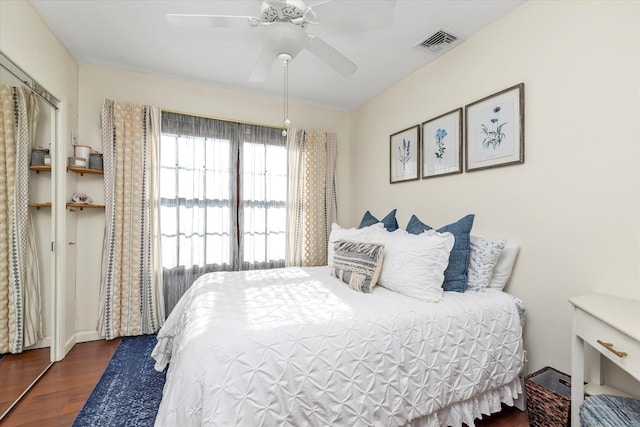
548,398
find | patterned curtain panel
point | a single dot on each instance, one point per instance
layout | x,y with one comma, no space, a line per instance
131,298
20,321
312,206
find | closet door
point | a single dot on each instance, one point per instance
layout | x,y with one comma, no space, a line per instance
19,369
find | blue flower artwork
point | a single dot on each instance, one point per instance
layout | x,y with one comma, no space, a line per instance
493,134
440,134
495,129
441,144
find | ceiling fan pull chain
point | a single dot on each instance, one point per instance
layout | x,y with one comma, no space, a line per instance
286,72
285,65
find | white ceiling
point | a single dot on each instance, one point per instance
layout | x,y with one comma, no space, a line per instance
133,35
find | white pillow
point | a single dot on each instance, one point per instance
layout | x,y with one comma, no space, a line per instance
483,257
414,264
503,268
339,233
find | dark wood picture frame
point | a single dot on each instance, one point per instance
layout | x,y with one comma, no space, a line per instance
442,145
404,155
494,130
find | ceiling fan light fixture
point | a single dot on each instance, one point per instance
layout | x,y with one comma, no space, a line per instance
283,37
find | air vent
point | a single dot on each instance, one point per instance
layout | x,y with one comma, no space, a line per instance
439,41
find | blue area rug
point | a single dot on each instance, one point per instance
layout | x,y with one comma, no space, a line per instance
129,391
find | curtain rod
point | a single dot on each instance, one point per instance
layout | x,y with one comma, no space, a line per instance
242,122
36,88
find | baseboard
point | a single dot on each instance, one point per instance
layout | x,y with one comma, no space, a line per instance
80,336
44,342
521,401
85,336
69,344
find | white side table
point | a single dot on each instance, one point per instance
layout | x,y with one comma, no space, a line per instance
611,328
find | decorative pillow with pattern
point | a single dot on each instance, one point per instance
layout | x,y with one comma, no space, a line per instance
358,264
483,257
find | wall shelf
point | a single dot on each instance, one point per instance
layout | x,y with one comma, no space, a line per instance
40,205
84,205
40,168
82,171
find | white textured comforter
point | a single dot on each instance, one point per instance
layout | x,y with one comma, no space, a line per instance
298,347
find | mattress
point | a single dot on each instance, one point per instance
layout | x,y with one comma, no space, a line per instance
297,347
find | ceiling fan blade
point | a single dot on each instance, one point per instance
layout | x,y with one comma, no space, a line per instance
276,3
263,65
210,21
363,24
332,57
336,10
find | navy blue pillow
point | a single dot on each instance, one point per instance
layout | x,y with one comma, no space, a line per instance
455,276
389,221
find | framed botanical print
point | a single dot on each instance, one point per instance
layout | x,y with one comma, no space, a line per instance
494,130
404,151
442,145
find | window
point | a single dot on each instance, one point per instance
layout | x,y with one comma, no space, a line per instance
222,198
196,202
263,204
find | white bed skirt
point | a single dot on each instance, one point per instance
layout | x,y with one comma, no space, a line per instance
469,410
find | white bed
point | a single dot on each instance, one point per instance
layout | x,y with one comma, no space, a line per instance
298,347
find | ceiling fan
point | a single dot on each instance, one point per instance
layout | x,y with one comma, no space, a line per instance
284,23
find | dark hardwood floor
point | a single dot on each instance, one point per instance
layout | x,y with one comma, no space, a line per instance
57,398
59,395
508,417
18,372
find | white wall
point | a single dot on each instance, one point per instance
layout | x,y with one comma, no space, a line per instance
97,83
574,206
29,43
